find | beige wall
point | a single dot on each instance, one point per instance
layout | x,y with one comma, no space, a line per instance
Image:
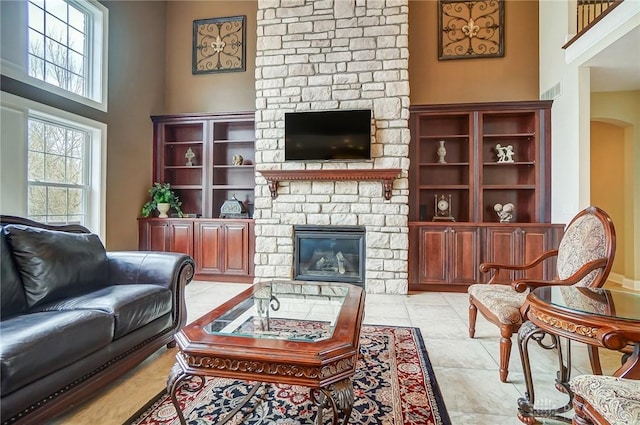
512,77
136,91
185,92
622,109
607,180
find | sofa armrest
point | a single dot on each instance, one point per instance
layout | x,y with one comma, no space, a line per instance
170,270
159,268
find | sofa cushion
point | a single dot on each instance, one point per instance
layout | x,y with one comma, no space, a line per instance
37,344
12,296
55,264
132,306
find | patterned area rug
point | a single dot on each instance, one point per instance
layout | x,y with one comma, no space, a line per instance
394,385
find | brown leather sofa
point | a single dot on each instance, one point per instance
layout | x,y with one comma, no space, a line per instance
73,317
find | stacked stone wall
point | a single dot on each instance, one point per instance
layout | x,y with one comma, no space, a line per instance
316,55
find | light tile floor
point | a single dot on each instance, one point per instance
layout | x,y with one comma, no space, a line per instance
466,369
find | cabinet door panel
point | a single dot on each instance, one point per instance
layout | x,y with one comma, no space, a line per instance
433,258
208,256
502,248
157,237
464,255
236,248
537,241
181,237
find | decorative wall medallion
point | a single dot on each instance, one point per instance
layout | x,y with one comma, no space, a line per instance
470,29
219,45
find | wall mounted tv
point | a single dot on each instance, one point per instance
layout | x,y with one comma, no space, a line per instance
337,135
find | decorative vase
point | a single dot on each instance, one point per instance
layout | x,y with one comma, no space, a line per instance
163,209
442,152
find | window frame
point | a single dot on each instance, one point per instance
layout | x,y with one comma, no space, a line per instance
15,150
85,186
97,53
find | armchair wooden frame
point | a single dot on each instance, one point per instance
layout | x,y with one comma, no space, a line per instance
586,414
606,400
602,267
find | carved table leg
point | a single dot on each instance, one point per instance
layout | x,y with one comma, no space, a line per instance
339,397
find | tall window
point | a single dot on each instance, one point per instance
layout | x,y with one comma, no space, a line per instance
58,44
58,172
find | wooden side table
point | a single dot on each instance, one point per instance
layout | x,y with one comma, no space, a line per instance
595,316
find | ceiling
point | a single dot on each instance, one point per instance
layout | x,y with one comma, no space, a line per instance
617,68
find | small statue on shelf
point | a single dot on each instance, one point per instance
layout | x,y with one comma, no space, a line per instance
189,155
505,212
505,153
237,160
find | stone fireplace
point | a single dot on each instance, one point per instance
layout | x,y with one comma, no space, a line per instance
326,55
329,253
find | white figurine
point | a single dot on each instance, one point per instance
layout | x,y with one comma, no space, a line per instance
505,212
505,153
508,153
500,152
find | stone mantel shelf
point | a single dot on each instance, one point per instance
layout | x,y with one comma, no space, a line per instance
386,175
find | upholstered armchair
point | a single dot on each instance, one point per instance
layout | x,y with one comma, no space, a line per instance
605,400
584,258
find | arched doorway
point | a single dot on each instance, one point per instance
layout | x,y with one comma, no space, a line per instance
608,184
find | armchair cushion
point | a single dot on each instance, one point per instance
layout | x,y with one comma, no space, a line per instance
584,240
616,399
501,300
43,259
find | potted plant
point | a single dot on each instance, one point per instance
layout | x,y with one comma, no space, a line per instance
162,200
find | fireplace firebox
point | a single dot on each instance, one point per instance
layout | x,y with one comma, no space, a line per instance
329,253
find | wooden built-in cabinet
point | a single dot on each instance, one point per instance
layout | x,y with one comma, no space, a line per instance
446,254
521,244
222,248
161,234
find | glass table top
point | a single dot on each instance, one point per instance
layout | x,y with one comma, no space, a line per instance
305,311
604,302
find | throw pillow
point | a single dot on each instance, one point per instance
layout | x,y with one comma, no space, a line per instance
12,300
54,264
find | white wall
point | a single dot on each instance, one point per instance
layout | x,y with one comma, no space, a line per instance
570,114
13,160
565,129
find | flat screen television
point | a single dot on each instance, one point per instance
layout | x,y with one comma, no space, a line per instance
337,135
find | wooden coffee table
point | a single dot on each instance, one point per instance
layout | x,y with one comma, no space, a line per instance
288,332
